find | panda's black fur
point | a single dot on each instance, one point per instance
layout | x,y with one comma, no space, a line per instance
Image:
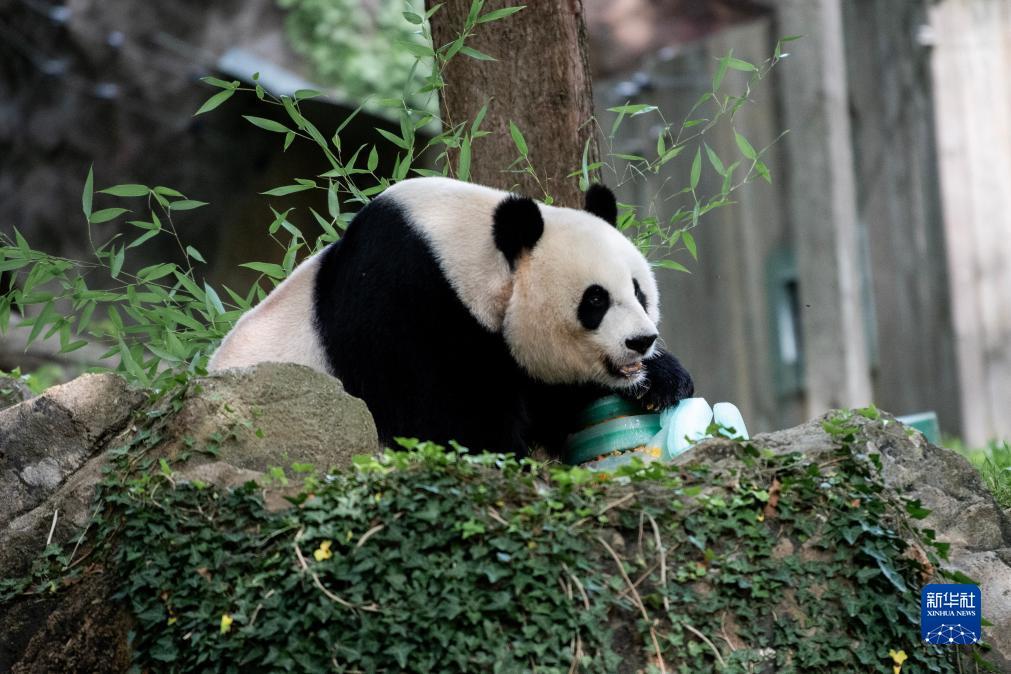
397,335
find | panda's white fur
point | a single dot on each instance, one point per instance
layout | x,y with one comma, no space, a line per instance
540,323
534,308
456,219
279,329
422,312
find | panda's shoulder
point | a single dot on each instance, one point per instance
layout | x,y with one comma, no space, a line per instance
429,201
430,187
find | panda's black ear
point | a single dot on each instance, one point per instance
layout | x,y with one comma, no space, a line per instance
517,226
601,202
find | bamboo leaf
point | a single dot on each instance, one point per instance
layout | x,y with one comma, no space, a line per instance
671,264
143,237
689,242
286,189
746,149
518,139
463,166
393,138
213,300
88,193
195,254
214,101
475,54
221,84
186,205
738,64
126,190
714,159
633,109
696,168
117,262
497,14
105,215
270,269
266,124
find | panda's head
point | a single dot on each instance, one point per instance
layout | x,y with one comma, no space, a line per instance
584,302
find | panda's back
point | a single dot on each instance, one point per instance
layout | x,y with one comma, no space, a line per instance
455,219
398,335
278,329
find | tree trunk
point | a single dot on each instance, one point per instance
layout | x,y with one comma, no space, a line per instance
823,208
541,82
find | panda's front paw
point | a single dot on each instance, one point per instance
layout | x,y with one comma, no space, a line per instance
667,382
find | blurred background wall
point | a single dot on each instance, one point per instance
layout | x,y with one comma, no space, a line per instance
873,268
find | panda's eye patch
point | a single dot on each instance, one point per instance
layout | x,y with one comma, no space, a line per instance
595,303
639,294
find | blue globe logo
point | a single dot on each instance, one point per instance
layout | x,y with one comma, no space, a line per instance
948,635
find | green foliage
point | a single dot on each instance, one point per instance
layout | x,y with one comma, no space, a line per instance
662,236
154,320
994,465
166,318
431,559
37,381
362,52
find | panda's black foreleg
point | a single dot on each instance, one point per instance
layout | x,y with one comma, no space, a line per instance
667,383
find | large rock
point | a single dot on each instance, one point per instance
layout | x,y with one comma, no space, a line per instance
52,458
272,415
47,438
253,419
963,512
12,391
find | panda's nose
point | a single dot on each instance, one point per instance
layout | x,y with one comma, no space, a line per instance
640,344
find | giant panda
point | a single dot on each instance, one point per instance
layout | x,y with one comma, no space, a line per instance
461,312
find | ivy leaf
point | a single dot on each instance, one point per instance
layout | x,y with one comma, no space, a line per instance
916,510
892,575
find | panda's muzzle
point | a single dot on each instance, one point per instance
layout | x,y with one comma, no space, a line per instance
629,371
641,343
